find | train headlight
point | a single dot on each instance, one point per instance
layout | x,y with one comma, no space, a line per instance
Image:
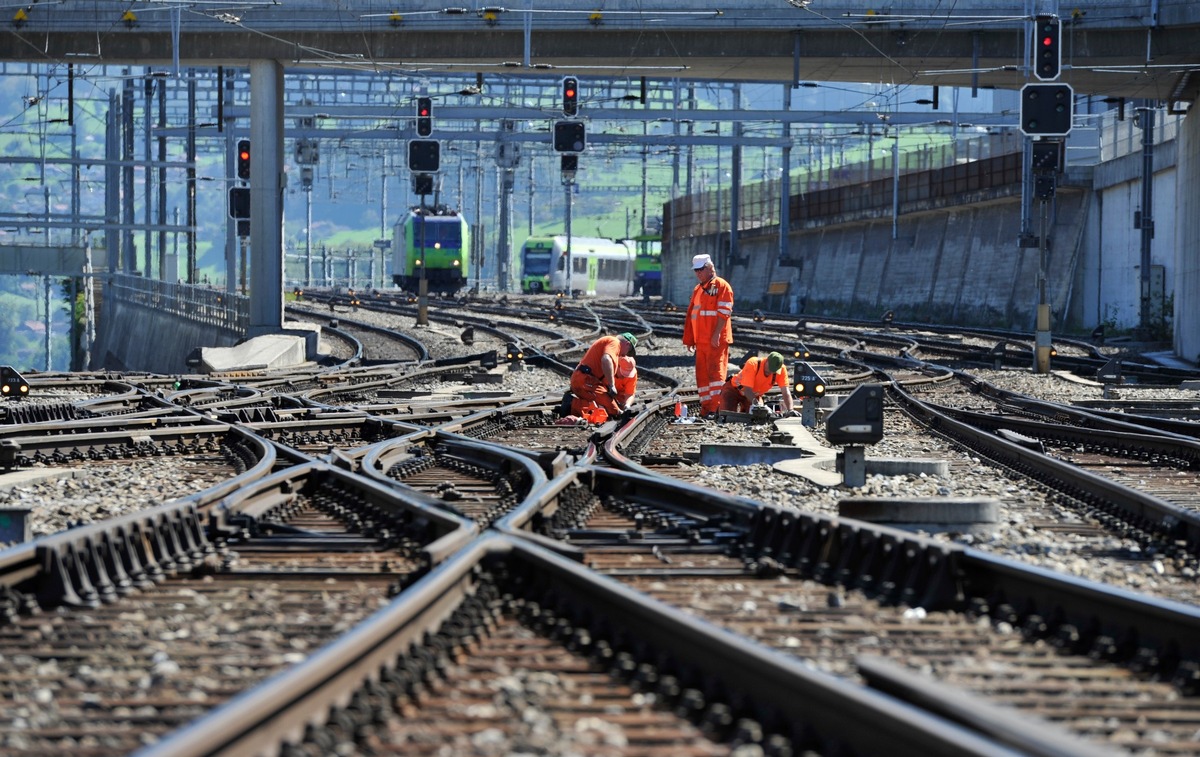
456,263
417,261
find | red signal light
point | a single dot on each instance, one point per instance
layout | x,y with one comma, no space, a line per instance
424,116
570,96
243,159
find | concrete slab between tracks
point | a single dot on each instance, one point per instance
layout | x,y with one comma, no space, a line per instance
1075,379
794,451
14,479
268,351
929,514
1170,360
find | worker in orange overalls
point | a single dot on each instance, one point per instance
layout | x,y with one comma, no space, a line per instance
626,380
594,382
758,376
708,332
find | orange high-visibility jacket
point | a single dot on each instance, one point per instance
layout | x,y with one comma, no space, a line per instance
625,379
711,308
754,377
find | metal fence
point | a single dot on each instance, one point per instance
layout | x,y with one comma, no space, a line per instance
206,305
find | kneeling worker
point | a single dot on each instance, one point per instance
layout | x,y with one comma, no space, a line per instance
593,382
626,381
757,377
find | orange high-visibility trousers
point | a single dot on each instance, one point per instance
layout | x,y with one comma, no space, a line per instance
711,364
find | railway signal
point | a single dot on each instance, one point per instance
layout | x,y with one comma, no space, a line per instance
422,184
1047,155
12,383
807,383
569,165
1047,109
424,116
570,96
239,203
424,155
243,159
570,136
1047,36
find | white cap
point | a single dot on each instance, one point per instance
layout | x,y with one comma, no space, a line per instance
700,261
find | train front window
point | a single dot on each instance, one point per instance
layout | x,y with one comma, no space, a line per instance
449,235
537,262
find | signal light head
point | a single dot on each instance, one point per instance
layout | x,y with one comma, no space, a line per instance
424,116
570,96
243,159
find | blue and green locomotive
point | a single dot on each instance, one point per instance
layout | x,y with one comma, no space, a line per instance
436,239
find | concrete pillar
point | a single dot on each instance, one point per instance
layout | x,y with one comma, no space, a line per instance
266,197
1187,232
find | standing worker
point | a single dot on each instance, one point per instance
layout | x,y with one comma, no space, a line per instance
757,377
593,382
708,332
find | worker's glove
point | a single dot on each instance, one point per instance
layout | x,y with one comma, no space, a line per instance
790,414
612,391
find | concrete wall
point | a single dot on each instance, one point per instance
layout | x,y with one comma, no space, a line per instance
964,265
960,265
133,337
1108,284
1187,232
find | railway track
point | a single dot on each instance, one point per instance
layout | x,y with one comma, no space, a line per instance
413,556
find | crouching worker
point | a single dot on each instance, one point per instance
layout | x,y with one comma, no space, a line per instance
626,381
757,377
594,380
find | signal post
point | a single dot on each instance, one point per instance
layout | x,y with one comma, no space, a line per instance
1047,111
424,160
570,139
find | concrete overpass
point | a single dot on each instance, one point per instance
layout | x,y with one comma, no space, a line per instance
1113,48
